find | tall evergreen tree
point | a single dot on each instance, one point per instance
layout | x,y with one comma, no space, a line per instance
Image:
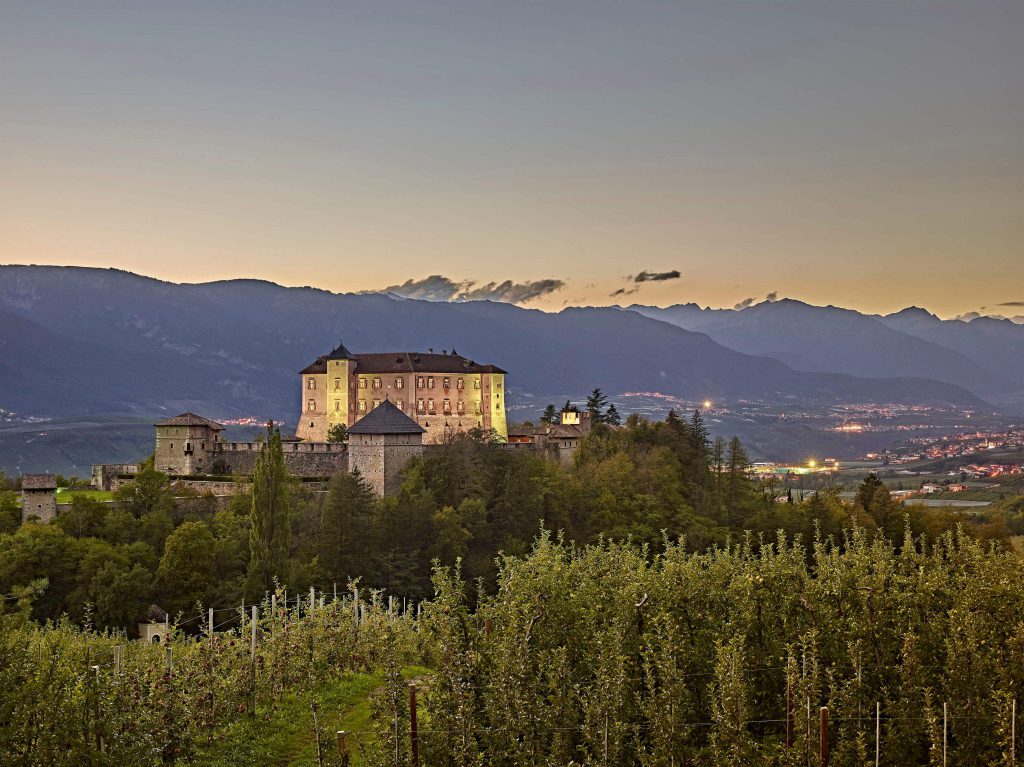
611,416
270,517
550,415
568,407
344,529
596,403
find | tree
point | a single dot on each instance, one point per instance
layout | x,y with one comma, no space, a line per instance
270,516
337,433
568,407
186,575
550,415
867,489
596,403
85,519
150,491
10,512
343,547
612,417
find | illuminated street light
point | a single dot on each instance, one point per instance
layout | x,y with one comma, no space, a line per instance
707,404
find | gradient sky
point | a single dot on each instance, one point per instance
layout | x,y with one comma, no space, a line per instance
867,154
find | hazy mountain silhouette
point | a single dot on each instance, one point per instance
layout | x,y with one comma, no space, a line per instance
984,356
77,340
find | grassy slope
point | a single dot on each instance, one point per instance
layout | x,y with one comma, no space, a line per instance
282,735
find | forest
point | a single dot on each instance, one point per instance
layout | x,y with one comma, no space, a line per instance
652,483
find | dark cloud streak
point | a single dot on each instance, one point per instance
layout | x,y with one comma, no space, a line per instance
437,287
657,276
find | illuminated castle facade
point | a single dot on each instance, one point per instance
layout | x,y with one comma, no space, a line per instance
443,393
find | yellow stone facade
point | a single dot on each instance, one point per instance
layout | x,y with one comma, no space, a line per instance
444,393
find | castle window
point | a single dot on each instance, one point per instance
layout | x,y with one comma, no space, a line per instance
362,383
399,383
337,384
310,384
337,406
476,383
419,382
311,405
462,407
376,403
378,384
447,382
448,406
420,406
430,405
430,382
362,406
400,404
460,384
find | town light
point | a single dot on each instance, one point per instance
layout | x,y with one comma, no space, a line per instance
707,404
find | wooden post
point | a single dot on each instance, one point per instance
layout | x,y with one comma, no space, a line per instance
254,635
414,736
823,737
209,625
117,658
335,585
878,733
170,661
342,748
945,732
312,599
789,703
1013,734
606,739
273,607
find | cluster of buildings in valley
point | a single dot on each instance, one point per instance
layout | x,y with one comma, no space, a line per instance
952,446
393,406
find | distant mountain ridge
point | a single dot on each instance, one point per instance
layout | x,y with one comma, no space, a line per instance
77,340
983,355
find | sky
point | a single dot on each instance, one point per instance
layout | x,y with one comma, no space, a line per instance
864,154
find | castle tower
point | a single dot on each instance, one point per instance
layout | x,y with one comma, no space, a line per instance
325,394
380,446
185,444
38,497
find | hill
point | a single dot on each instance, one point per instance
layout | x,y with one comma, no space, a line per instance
80,341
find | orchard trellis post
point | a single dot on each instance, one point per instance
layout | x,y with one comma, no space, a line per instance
414,737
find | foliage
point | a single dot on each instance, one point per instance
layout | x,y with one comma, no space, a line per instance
270,528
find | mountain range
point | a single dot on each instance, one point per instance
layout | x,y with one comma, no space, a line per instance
78,341
983,355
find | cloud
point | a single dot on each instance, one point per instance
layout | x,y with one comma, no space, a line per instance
623,292
439,288
1010,303
744,303
657,276
773,296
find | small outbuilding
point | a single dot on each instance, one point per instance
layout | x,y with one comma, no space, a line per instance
38,497
156,627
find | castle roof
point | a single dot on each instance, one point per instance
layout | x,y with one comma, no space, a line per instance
340,353
403,362
38,482
190,419
386,419
318,366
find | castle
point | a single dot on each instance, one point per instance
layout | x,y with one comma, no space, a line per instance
443,393
395,406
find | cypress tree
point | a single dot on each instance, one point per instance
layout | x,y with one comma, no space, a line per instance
612,417
270,517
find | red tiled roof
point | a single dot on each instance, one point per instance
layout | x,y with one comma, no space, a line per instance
190,419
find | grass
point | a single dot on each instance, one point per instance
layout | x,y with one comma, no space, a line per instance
281,734
64,495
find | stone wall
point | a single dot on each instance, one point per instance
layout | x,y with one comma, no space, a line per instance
41,504
104,474
303,459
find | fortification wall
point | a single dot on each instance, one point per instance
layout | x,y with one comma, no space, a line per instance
303,459
104,474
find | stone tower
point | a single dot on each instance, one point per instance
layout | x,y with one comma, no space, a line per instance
38,497
185,444
381,444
